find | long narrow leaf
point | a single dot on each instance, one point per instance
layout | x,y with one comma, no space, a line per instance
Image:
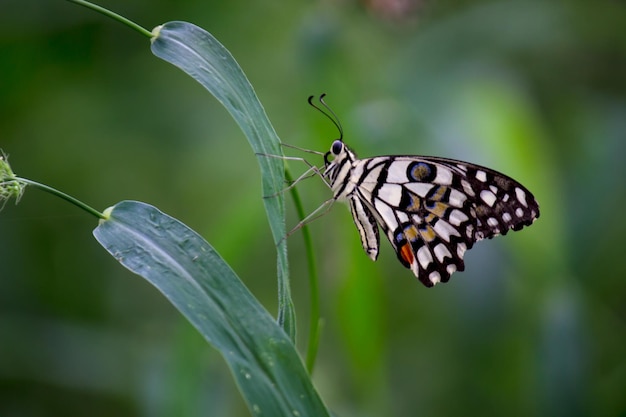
201,56
190,273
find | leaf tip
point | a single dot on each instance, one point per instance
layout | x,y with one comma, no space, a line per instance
107,215
155,33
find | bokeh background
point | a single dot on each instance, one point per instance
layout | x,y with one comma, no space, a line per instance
535,326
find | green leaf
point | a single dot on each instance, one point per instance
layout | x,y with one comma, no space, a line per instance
201,56
190,273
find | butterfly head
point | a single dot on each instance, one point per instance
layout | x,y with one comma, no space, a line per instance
336,149
338,160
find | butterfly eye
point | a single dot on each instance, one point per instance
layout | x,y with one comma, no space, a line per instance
337,147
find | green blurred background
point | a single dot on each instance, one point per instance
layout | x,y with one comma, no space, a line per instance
536,325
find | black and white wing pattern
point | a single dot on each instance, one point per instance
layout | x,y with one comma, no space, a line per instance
431,209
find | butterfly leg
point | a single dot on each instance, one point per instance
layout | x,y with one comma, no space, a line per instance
316,214
310,172
313,168
302,149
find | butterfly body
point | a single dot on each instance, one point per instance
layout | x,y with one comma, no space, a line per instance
431,209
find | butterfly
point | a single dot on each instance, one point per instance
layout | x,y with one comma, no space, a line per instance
431,209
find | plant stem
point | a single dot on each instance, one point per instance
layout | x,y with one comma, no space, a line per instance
314,316
114,16
64,196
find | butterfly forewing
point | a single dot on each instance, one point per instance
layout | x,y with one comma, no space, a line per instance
431,209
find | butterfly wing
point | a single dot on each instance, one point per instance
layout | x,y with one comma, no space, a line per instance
366,225
434,209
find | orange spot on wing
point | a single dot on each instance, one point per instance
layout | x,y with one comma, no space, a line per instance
407,253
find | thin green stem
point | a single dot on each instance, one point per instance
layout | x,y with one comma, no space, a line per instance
64,196
114,16
314,317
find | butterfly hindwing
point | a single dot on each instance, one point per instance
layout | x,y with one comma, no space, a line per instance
420,212
366,225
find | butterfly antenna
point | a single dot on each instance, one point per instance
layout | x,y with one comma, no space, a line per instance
330,114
